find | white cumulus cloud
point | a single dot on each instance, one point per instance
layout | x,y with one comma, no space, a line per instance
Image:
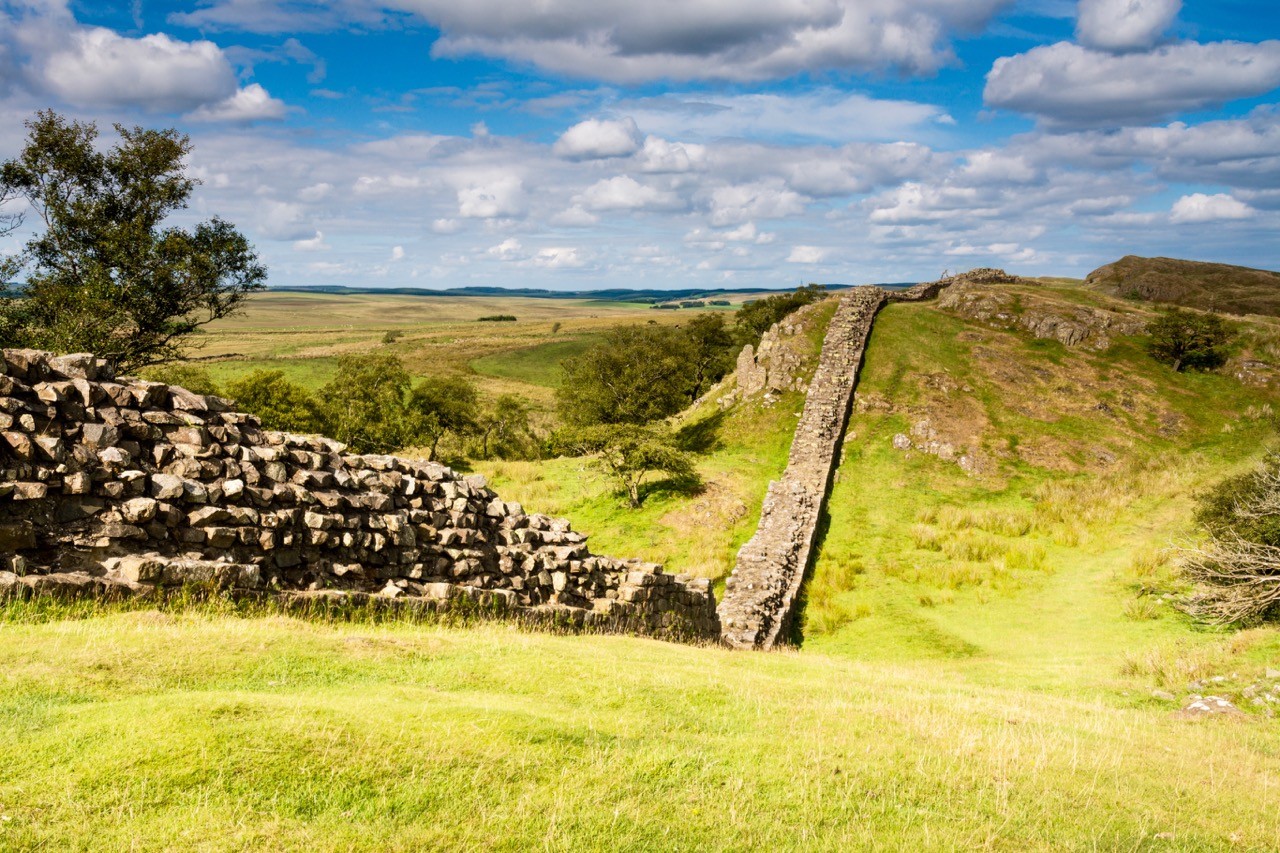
1124,24
807,255
1068,84
312,244
625,41
596,139
1199,207
624,192
252,103
498,196
155,72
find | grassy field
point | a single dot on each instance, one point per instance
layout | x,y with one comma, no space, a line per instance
981,651
149,731
304,333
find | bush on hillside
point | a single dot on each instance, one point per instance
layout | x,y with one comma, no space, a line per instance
278,403
755,318
630,453
1189,340
634,375
1237,570
195,379
498,318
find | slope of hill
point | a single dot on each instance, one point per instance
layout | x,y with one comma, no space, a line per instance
1193,284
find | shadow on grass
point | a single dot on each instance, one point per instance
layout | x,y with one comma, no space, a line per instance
702,436
691,486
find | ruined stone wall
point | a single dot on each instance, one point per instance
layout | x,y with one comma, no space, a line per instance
125,487
760,596
761,593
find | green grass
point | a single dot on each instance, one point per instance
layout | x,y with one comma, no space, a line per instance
150,731
536,365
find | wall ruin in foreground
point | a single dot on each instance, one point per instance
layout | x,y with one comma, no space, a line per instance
124,487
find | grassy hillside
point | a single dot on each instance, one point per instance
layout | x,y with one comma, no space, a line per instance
1049,565
740,449
1194,284
981,649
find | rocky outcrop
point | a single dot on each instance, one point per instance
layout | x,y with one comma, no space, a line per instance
125,487
761,593
1069,324
781,362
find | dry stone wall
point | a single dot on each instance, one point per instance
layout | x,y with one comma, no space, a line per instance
761,594
125,487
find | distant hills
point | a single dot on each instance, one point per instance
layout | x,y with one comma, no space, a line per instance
1193,284
608,294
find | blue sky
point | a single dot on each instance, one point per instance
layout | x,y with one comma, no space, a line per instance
576,144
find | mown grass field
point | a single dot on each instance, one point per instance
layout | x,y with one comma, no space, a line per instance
978,660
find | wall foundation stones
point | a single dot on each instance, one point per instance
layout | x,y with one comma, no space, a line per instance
119,487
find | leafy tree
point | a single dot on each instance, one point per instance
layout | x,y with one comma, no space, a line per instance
710,350
279,403
106,275
630,453
636,374
364,406
1188,339
444,404
755,319
504,430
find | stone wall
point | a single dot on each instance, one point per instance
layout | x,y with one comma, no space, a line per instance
126,487
760,596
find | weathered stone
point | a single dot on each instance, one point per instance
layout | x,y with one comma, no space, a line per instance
166,487
139,510
29,491
99,436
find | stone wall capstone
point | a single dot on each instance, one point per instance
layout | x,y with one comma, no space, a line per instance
125,487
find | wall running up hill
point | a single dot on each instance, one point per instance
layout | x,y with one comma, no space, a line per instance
760,596
119,488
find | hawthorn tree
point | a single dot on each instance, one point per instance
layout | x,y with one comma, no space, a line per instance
634,375
278,402
630,453
444,404
107,275
1188,339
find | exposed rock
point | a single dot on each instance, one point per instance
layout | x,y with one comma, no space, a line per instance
1072,325
1210,706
